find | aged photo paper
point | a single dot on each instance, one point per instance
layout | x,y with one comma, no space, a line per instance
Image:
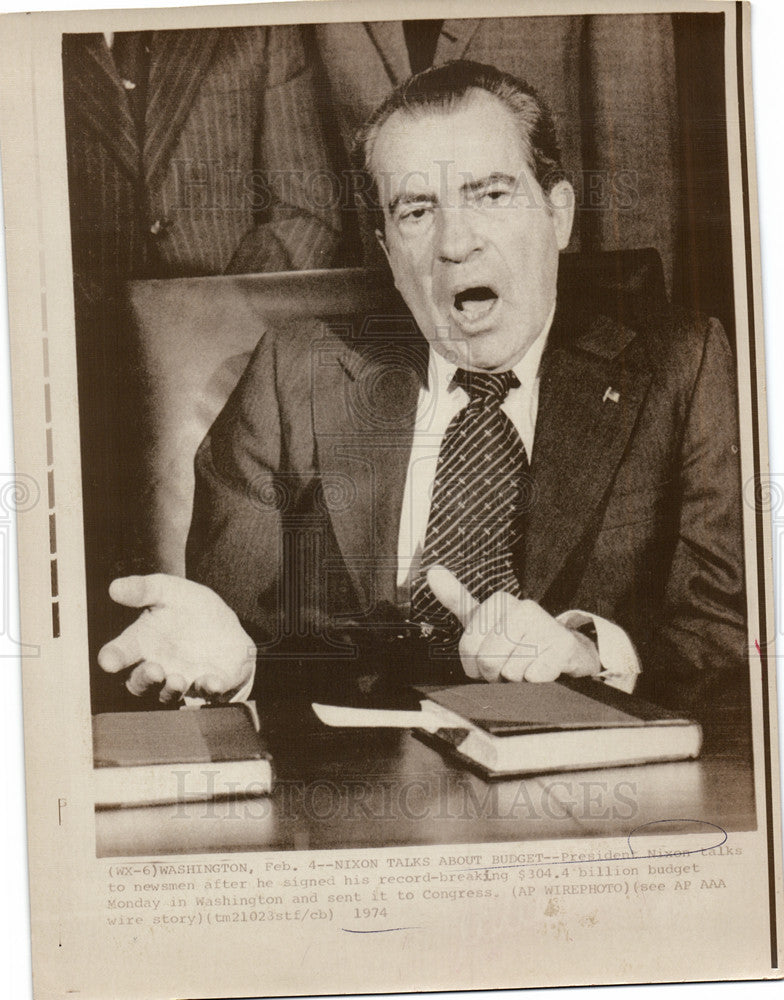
286,332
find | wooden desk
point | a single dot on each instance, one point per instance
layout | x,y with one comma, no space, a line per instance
340,789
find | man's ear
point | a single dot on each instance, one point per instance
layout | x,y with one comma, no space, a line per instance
561,200
382,243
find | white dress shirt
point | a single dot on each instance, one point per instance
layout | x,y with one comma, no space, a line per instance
441,400
109,39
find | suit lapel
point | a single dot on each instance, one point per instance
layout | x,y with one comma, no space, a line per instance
98,97
178,62
454,39
365,400
389,42
365,397
590,395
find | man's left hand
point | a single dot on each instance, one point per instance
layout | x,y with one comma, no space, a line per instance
505,637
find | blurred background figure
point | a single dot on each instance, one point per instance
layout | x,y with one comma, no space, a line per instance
191,153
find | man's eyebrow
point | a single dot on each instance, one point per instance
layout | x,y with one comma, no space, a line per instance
468,187
471,186
410,199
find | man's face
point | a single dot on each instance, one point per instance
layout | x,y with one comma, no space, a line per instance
471,238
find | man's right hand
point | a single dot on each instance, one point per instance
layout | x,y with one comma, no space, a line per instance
186,641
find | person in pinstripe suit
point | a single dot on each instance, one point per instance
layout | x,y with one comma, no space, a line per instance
193,152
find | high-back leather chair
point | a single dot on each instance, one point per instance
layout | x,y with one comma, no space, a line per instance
193,337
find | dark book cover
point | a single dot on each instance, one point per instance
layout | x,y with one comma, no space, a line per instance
184,736
508,709
567,725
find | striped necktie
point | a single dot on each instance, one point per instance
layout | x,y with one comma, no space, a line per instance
477,511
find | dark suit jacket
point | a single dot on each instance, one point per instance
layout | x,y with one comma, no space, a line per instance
222,181
635,513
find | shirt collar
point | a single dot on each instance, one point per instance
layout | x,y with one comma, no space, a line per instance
441,372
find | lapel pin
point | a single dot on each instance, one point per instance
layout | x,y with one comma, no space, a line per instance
612,394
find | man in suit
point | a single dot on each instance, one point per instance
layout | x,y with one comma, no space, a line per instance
556,489
609,82
193,152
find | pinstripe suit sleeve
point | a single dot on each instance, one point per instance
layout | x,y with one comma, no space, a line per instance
694,648
302,226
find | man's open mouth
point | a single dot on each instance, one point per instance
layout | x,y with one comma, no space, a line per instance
475,303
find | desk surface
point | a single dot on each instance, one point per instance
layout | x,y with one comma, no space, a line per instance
384,788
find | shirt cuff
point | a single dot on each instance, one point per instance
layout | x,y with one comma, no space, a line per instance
244,692
620,663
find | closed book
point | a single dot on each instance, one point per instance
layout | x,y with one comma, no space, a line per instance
185,755
506,729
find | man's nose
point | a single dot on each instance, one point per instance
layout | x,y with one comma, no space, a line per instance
457,238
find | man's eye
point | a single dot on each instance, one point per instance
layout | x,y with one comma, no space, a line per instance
415,214
495,197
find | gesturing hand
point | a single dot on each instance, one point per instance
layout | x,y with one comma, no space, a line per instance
510,638
185,641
